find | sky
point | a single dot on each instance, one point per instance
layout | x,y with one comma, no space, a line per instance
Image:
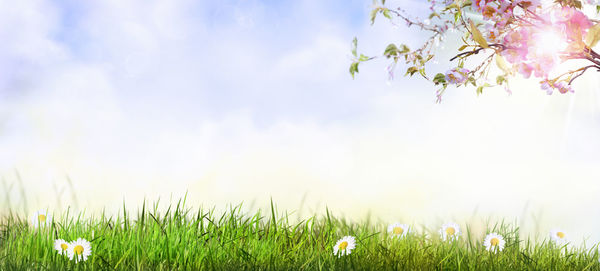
105,102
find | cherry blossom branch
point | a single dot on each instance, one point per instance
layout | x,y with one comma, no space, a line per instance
501,47
410,22
582,71
522,42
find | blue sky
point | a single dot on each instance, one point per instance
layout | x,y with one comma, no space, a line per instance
246,100
224,44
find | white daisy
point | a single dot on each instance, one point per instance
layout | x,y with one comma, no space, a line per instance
398,230
41,218
558,236
450,231
494,242
344,246
61,246
79,250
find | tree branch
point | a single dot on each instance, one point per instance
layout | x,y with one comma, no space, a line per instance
582,71
501,47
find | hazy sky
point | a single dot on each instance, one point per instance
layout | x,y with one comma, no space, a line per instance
237,101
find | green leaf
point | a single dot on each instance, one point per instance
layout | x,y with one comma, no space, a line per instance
434,14
404,49
363,58
477,37
429,57
451,6
354,68
593,36
480,88
439,78
422,72
412,70
354,45
386,13
391,50
374,15
502,64
463,47
472,81
500,79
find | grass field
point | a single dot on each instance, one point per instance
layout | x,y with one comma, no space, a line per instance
181,238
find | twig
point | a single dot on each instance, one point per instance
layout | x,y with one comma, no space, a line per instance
583,71
501,47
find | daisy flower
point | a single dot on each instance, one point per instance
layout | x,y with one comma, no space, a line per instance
40,218
61,246
558,236
344,246
80,250
494,242
450,231
398,230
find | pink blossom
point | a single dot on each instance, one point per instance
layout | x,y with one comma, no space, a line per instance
505,7
545,85
543,64
530,5
488,11
517,38
515,55
479,4
517,43
525,69
503,20
573,22
457,76
493,34
563,87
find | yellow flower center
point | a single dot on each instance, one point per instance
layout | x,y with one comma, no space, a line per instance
489,11
42,218
78,250
495,241
343,245
560,234
398,230
64,246
450,231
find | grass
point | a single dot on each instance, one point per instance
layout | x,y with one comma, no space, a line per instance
184,239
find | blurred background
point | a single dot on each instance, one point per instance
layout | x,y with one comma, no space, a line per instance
231,101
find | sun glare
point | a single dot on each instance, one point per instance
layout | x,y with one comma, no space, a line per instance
550,42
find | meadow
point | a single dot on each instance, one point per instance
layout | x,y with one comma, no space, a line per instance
183,238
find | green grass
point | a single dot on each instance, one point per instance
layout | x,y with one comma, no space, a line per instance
182,238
